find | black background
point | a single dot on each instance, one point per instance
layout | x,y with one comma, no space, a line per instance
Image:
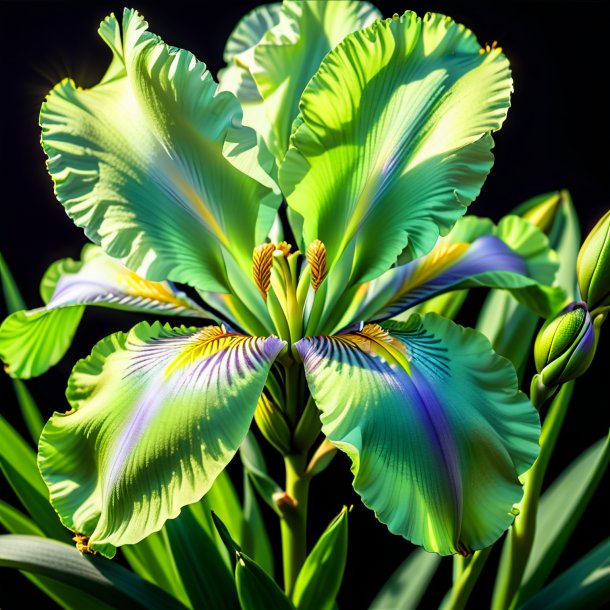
557,136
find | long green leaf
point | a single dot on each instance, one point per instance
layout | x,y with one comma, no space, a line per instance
18,464
254,464
405,588
151,559
104,580
15,522
320,577
254,535
31,414
12,296
585,585
256,589
560,510
206,578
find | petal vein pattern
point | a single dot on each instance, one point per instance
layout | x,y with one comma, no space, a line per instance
138,161
436,446
393,143
32,341
157,415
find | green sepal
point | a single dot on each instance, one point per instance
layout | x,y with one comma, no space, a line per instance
140,401
320,578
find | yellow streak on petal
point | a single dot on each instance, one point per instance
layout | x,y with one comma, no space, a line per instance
192,197
205,343
376,341
135,285
433,264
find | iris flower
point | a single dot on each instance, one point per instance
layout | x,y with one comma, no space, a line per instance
377,133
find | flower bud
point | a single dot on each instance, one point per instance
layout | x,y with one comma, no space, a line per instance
564,349
593,266
542,211
270,421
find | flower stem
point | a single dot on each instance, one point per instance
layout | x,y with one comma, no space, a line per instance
520,538
294,519
467,576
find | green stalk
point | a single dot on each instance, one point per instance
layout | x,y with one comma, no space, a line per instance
294,519
468,575
519,540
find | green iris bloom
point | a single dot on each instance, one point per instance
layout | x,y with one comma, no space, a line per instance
378,134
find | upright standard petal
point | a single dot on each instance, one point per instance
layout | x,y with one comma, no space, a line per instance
276,49
434,424
32,341
156,415
393,140
138,161
514,256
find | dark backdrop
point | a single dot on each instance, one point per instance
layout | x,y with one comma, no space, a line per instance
556,136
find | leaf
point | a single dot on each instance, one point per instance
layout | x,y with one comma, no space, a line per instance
560,510
255,539
206,578
151,559
104,580
31,414
18,464
150,163
400,111
256,589
66,596
320,578
156,415
254,464
12,296
15,522
232,547
407,585
434,424
585,585
223,500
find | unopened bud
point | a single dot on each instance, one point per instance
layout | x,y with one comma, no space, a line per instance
270,421
542,210
316,257
563,351
593,266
